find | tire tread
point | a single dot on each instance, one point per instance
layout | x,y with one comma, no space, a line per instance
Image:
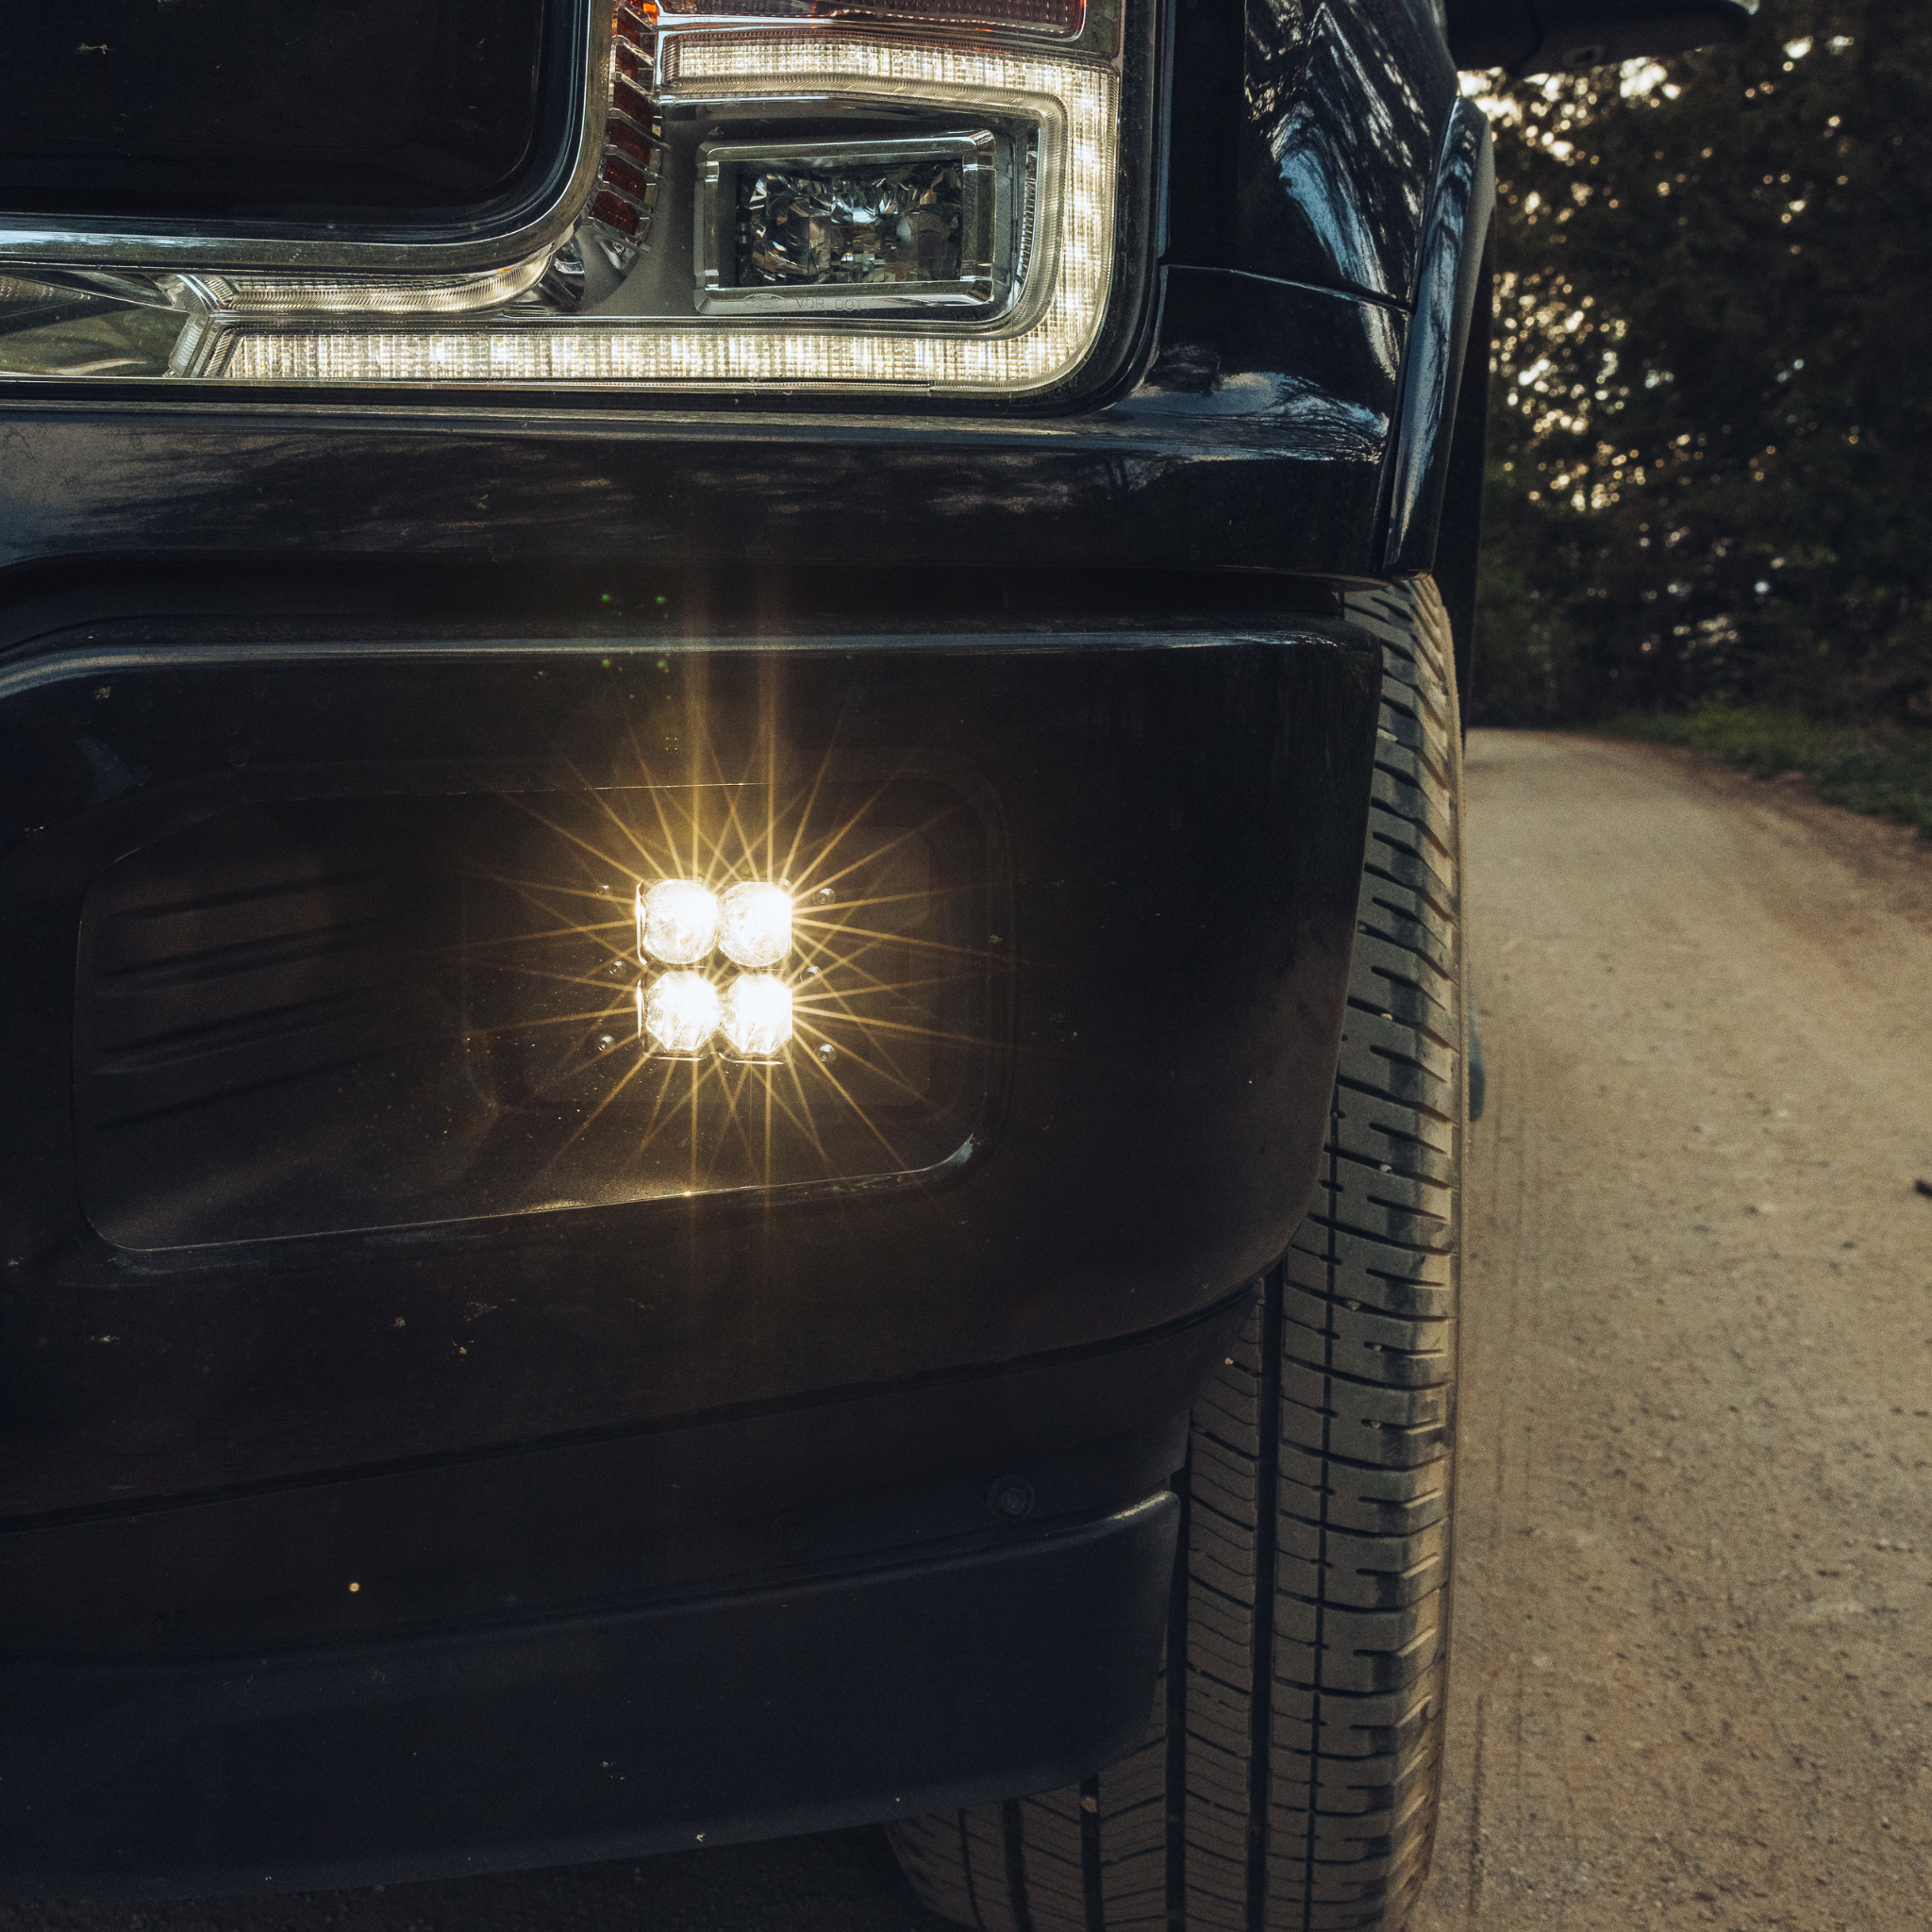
1301,1699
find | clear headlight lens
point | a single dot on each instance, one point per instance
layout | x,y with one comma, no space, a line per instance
813,204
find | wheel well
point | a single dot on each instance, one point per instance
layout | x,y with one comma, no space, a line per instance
1458,536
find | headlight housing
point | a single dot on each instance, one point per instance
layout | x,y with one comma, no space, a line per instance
914,199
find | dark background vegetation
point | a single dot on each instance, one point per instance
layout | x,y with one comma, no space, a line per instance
1711,459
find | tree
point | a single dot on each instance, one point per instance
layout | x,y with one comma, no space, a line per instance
1712,447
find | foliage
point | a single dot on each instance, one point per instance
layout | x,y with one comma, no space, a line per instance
1888,773
1711,425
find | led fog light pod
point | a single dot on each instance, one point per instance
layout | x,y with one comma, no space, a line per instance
756,1016
756,926
681,1014
677,923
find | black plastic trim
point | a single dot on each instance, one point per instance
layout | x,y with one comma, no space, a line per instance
1010,1666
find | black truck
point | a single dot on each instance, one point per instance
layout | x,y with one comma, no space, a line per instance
734,1018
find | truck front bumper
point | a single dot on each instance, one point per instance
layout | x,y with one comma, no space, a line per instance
1000,1666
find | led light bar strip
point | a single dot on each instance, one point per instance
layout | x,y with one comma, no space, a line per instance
1043,350
1060,17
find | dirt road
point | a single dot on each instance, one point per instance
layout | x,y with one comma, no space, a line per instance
1693,1678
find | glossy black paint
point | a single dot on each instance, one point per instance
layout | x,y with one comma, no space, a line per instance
1322,175
1177,954
845,1699
1453,254
1275,366
1277,471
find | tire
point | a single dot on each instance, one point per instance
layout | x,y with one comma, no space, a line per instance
1289,1779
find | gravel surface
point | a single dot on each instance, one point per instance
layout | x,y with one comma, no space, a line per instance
1693,1622
1692,1676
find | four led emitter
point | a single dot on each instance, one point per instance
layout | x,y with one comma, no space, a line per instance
681,1011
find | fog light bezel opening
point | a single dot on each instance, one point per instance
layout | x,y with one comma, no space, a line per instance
471,1039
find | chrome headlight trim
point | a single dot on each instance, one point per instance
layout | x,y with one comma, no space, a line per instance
1055,325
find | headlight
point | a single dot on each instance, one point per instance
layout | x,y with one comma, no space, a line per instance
921,198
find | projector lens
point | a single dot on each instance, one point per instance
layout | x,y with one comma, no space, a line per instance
897,220
903,224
